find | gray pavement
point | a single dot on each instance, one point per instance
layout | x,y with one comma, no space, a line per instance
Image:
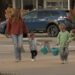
44,64
8,44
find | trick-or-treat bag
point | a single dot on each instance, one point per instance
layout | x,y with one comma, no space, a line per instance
44,50
55,51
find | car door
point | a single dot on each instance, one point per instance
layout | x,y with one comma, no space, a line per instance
31,19
42,20
44,17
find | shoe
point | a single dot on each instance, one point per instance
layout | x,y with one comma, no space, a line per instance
66,62
18,61
32,60
62,62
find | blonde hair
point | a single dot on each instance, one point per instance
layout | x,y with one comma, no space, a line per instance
16,16
62,24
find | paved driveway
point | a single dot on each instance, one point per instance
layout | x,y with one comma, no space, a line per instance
44,64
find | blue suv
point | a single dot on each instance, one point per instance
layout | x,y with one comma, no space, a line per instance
44,20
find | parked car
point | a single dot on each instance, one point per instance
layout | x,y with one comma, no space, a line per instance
44,20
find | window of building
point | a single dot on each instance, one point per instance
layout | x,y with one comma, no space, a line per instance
28,4
57,4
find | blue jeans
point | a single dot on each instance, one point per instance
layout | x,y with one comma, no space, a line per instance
18,41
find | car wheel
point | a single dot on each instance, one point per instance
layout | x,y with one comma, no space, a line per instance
53,30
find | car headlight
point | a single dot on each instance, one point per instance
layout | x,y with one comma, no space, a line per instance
61,18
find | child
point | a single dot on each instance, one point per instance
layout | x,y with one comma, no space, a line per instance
33,46
45,47
46,44
63,41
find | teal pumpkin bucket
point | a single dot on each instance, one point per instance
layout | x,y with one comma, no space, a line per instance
55,51
44,50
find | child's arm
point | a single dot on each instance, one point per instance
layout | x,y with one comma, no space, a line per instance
71,37
29,42
39,44
58,39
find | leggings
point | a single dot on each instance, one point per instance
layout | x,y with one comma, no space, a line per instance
33,54
64,53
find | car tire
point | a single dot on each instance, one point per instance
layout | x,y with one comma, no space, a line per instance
53,30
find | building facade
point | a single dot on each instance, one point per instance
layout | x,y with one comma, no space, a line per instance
52,4
36,4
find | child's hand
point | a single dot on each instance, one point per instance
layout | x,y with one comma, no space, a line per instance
57,44
28,35
7,35
39,44
68,42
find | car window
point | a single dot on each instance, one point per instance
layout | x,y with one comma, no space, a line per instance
48,13
44,14
41,14
63,13
31,15
58,13
54,13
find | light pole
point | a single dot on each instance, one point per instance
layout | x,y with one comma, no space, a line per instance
36,4
21,4
68,4
14,3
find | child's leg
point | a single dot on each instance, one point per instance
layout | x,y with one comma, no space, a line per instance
32,54
19,53
66,54
35,52
62,54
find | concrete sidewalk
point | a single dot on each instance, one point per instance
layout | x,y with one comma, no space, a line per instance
44,64
8,48
10,67
8,45
7,59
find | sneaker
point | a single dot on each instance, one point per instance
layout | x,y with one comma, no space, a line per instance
18,60
32,60
62,62
66,62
